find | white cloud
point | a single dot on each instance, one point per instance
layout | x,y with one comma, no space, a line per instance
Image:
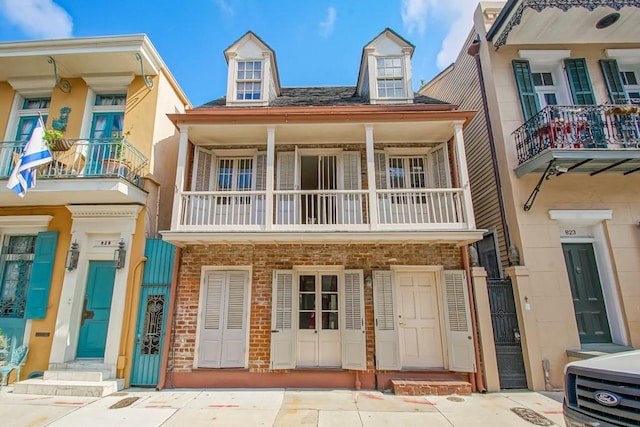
38,18
226,7
457,14
326,26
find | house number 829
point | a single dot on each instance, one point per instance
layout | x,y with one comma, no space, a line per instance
569,232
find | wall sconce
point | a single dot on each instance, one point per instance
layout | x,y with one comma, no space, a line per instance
72,256
368,281
119,255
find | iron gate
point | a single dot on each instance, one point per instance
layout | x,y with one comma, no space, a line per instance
506,334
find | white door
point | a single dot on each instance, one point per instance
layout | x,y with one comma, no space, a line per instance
419,320
318,337
223,320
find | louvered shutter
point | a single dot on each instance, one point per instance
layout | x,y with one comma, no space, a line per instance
283,336
351,204
261,172
199,208
526,88
210,343
380,162
354,345
439,167
386,327
458,322
234,335
286,182
41,273
611,74
582,93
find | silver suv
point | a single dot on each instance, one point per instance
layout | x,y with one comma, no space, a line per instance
603,391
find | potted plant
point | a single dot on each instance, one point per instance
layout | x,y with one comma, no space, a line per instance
115,162
56,141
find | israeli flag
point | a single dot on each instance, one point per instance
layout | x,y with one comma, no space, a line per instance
34,154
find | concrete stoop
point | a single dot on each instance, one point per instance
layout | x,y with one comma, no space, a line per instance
70,383
430,388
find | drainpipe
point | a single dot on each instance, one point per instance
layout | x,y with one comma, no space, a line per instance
127,320
164,361
473,50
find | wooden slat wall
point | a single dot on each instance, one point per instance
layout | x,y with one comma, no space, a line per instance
460,85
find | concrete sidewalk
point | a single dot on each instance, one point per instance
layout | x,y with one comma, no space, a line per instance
277,407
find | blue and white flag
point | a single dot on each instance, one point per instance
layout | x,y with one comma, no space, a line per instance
34,154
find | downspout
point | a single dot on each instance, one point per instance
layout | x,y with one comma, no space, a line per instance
474,50
477,382
164,361
127,319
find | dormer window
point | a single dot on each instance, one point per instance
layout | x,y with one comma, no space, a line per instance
390,78
249,80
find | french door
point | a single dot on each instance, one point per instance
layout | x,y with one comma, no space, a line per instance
318,338
318,173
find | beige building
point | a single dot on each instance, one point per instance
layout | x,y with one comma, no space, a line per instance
554,162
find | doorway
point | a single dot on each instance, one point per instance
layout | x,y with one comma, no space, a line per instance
318,173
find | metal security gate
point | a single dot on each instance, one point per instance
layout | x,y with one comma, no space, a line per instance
506,334
152,312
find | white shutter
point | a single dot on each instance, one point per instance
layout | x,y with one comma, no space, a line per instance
261,172
285,213
283,335
458,322
354,342
210,340
234,335
386,327
380,162
198,210
439,167
351,204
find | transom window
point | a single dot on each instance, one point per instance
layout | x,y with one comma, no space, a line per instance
36,103
390,78
111,100
31,109
15,269
249,80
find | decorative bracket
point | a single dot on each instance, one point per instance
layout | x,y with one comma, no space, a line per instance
62,84
148,80
551,170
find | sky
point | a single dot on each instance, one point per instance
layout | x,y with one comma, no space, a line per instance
317,42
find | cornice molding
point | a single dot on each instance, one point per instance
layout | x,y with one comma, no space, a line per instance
104,211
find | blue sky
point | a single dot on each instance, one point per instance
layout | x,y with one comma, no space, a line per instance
317,43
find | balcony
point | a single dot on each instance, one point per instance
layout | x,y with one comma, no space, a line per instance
91,171
581,139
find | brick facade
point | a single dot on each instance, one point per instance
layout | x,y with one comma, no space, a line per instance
264,258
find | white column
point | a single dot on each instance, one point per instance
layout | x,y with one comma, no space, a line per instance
371,179
181,170
463,175
408,89
271,158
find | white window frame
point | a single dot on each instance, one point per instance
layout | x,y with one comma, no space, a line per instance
628,88
234,177
406,163
244,81
380,78
550,61
18,111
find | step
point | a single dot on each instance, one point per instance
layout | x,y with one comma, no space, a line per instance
430,388
68,388
69,375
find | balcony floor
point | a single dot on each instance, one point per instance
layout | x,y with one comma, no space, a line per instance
584,160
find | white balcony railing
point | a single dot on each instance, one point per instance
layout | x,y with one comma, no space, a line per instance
348,210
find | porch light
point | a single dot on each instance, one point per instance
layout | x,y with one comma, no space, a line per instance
119,255
607,20
72,256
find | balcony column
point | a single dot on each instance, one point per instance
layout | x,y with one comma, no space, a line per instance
371,179
269,182
463,175
181,170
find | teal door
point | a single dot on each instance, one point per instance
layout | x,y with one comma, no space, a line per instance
152,312
104,127
96,309
588,302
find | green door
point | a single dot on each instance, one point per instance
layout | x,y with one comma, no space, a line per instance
588,302
96,308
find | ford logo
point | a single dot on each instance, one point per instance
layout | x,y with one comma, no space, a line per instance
607,398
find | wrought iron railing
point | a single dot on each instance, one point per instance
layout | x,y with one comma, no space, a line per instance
86,158
579,127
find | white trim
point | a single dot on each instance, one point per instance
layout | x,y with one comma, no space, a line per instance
579,215
409,151
33,86
237,152
24,222
416,268
108,83
544,56
323,268
624,56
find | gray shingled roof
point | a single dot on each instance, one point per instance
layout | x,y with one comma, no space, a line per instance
316,96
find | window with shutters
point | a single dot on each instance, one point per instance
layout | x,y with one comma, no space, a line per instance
630,76
549,84
16,262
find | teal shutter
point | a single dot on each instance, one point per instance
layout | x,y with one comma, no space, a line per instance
526,88
41,270
579,81
611,74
